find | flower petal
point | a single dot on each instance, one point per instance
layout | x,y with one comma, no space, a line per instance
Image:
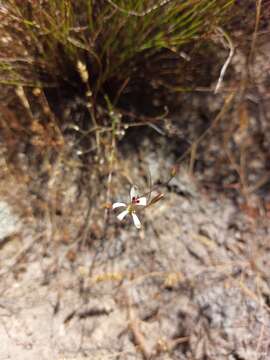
122,215
118,204
141,201
136,221
133,192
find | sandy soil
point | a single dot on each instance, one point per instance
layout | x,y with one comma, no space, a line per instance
193,284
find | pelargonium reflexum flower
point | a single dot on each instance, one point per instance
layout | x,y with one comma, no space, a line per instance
131,208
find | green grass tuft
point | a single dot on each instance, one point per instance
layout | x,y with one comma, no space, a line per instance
41,43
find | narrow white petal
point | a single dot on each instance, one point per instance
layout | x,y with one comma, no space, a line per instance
142,201
118,204
122,215
136,221
133,192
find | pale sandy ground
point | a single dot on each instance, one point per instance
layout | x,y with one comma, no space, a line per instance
195,282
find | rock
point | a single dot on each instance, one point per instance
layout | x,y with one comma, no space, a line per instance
9,222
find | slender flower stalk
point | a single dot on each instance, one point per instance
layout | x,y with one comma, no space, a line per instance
131,208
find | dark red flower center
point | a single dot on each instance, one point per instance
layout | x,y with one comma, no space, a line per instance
135,200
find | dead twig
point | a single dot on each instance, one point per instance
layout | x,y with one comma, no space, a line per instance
229,58
134,327
255,33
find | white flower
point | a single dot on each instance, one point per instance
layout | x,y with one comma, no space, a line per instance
131,207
